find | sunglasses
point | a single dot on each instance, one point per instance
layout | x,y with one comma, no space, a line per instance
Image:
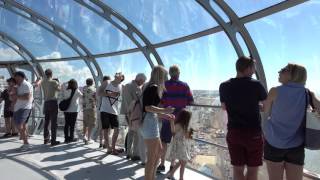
286,69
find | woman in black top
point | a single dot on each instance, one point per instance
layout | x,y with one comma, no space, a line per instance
8,109
152,113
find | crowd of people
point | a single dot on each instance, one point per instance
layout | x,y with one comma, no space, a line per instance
155,111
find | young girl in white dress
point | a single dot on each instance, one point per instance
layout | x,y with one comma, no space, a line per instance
179,145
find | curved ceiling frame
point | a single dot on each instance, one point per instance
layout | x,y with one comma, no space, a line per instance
237,24
59,32
23,52
107,14
231,29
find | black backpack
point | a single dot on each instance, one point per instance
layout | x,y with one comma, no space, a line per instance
64,104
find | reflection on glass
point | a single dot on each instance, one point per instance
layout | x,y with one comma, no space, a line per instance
291,36
8,54
96,33
204,62
164,20
130,65
66,70
245,7
40,42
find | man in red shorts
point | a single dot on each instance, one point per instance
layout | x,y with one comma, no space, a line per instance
240,97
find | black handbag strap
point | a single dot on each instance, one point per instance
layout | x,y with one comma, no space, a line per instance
72,93
309,101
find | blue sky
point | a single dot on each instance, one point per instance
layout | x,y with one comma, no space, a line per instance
289,36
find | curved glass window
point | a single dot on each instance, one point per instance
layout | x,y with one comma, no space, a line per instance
66,70
279,43
27,71
96,33
8,54
164,20
4,76
245,7
36,39
204,63
130,65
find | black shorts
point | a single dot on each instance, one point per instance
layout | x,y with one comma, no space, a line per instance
7,114
109,121
291,155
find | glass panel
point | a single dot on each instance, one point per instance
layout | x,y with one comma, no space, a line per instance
130,65
3,77
245,7
164,20
96,33
36,39
291,36
66,70
27,72
8,54
210,126
210,57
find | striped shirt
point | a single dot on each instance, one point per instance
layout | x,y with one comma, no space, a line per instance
177,95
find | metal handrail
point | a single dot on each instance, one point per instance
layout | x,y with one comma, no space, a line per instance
306,173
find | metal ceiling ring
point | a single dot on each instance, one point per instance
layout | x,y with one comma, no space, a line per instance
58,31
107,13
231,29
226,27
240,28
22,51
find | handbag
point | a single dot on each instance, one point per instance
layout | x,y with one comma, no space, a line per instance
64,104
312,125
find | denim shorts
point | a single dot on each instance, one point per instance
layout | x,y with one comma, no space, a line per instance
21,116
150,126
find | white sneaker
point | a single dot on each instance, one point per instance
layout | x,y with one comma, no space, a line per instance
90,141
25,147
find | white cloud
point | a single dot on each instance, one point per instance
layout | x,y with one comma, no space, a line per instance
65,71
7,54
53,55
270,22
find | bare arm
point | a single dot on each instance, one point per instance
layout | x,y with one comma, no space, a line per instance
316,102
25,96
267,104
37,82
163,113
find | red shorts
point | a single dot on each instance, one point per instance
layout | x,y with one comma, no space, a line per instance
245,147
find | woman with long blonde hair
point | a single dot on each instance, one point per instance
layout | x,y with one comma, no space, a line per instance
152,114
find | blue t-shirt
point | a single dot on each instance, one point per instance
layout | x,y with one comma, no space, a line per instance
241,97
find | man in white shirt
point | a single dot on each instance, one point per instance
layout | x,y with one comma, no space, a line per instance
22,106
109,111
